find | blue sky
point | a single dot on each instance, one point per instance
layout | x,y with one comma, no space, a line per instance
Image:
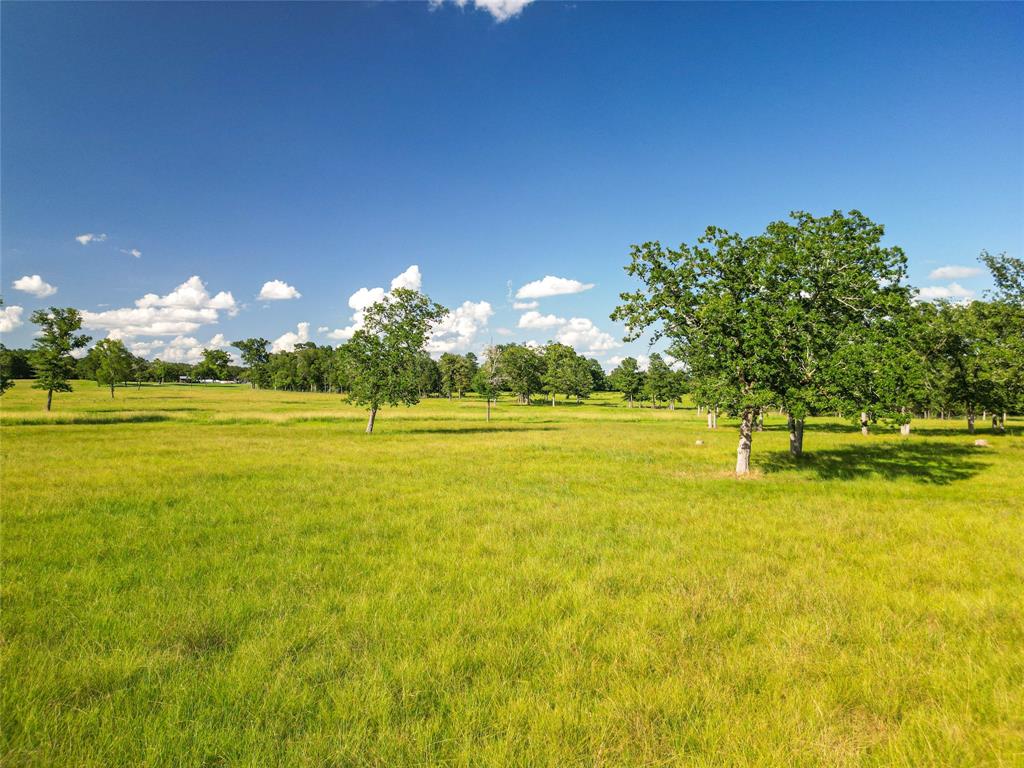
333,146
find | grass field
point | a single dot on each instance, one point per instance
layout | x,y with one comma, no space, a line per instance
214,576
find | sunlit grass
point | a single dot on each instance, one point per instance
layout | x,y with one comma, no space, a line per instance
216,576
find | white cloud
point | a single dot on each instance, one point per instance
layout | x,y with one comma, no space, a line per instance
581,334
459,328
525,305
89,237
286,341
146,348
131,252
501,10
411,279
504,331
181,311
954,273
180,349
951,291
35,285
323,329
365,298
10,318
537,320
278,290
550,285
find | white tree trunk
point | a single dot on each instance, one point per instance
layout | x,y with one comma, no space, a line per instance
488,409
710,418
743,449
905,429
864,423
369,424
796,436
970,422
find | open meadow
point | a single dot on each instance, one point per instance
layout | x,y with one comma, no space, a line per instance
211,576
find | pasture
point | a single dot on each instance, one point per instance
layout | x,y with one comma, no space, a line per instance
215,576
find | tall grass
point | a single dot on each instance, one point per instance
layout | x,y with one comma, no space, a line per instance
252,581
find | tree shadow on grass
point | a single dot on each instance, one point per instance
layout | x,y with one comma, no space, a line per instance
470,430
936,464
71,421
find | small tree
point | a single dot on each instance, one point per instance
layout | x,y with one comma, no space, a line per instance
51,353
448,368
628,379
558,360
659,380
580,380
6,382
521,369
113,362
383,356
487,380
255,355
159,370
214,364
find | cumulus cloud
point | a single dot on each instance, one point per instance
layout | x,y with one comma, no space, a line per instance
286,341
89,237
954,272
181,349
550,285
365,298
10,318
181,311
537,320
35,285
278,290
458,330
411,279
525,305
131,252
951,291
501,10
581,334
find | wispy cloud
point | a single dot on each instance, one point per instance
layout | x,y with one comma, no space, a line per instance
501,10
131,252
954,272
549,285
89,237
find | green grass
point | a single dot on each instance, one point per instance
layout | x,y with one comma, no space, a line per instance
215,576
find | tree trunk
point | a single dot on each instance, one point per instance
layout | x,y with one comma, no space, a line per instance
630,399
552,399
995,422
672,405
796,436
970,421
369,424
714,420
864,423
905,429
488,409
49,398
111,390
743,449
710,418
759,422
